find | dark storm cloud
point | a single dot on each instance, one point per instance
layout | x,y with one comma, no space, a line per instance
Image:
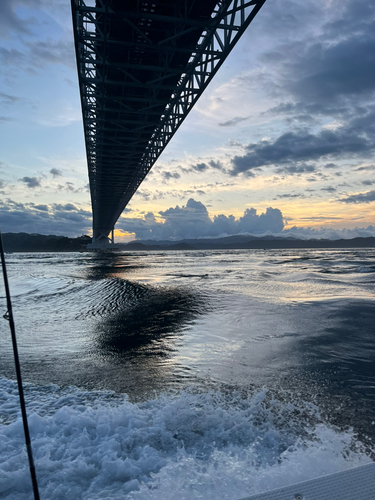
31,182
55,219
193,221
359,198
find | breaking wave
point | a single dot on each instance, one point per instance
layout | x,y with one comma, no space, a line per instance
228,444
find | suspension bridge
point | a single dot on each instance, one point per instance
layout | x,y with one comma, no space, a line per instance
142,65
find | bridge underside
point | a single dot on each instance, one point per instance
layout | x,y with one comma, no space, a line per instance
142,65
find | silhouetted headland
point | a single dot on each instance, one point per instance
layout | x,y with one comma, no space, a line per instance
24,242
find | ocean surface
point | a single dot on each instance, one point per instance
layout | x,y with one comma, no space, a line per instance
187,375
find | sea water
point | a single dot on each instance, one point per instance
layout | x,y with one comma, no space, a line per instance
173,375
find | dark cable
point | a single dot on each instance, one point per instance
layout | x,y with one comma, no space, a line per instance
9,316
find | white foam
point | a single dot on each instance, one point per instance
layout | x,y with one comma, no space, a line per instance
212,445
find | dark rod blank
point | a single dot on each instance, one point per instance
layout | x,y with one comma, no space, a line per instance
9,317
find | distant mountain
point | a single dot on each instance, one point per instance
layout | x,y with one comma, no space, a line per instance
250,242
24,242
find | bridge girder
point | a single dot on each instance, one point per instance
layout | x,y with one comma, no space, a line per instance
142,65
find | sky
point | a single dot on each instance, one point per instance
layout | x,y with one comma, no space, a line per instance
282,141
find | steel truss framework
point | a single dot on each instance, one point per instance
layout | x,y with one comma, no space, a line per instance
142,65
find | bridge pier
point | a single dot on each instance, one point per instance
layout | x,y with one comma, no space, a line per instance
102,241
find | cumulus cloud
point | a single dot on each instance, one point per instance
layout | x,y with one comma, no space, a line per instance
31,182
193,221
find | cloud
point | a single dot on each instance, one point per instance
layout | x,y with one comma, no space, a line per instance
43,52
359,198
55,172
234,121
216,165
326,77
5,119
43,208
35,51
328,67
203,167
13,57
68,207
9,21
344,68
31,182
193,221
328,233
69,186
68,219
295,195
9,99
298,168
303,146
168,176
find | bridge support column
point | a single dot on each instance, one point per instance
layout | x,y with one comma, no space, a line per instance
102,241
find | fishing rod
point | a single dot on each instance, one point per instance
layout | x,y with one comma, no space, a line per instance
9,317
